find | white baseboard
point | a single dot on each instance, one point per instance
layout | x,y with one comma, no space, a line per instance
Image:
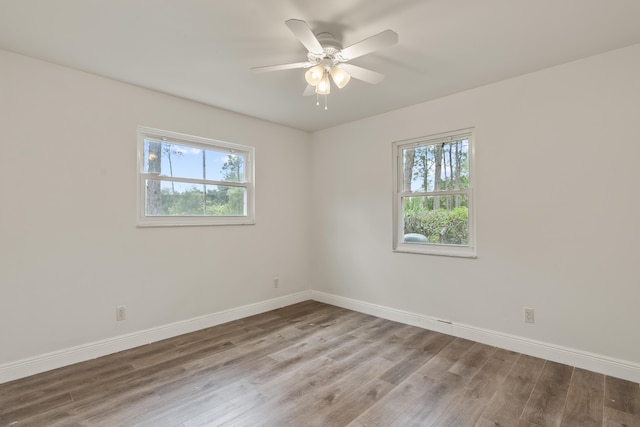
69,356
593,362
581,359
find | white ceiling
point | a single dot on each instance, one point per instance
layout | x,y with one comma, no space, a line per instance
203,49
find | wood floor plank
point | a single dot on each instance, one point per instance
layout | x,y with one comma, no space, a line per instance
406,401
175,355
409,340
301,359
310,316
491,368
63,416
154,375
444,358
622,395
293,310
291,387
463,411
261,346
317,393
366,329
386,410
186,404
111,413
326,405
492,375
585,400
439,395
547,401
14,414
349,408
507,405
228,411
47,383
313,364
615,418
469,365
445,403
416,359
360,423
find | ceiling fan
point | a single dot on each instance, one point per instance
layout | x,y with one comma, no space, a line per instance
326,57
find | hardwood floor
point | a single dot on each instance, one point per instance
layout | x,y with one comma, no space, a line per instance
313,364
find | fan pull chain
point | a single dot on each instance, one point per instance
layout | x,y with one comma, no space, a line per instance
326,101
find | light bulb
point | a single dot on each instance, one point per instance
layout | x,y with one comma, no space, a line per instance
314,75
324,87
340,77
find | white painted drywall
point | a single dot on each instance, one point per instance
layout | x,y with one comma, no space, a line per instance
71,251
558,149
558,205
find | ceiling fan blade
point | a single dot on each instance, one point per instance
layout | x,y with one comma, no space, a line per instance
363,74
301,30
368,45
310,90
281,67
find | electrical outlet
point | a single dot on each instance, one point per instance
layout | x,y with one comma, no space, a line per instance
121,313
276,281
528,315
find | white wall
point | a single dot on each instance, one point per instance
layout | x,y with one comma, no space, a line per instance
70,249
557,209
557,203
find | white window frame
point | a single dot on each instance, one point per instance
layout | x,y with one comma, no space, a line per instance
399,245
199,142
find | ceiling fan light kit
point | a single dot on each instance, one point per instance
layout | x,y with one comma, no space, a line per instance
314,75
340,77
327,57
324,86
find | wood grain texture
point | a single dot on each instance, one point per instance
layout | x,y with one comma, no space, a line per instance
508,403
547,401
312,364
584,407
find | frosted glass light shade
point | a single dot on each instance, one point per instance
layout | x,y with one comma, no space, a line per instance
324,87
340,77
314,75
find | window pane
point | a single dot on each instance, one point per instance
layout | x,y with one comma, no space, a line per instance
166,198
232,166
226,201
183,161
436,167
436,219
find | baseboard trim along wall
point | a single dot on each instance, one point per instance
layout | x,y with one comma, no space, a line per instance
26,367
592,362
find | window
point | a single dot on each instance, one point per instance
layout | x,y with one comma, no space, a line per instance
189,180
433,197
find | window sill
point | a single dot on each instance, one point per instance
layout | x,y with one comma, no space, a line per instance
449,251
192,222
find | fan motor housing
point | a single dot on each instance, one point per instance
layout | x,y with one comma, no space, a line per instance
331,48
328,40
